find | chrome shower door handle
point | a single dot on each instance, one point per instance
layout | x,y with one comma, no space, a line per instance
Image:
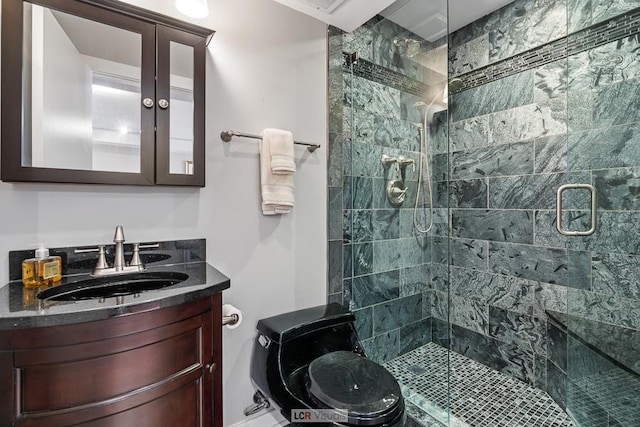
594,208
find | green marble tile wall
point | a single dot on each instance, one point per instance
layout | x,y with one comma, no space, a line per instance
513,142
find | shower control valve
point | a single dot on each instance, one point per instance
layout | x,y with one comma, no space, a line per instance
396,192
403,162
388,161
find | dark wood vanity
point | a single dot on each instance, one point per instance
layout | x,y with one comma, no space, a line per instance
157,367
145,358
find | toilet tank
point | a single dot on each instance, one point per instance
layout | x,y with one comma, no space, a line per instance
292,325
288,342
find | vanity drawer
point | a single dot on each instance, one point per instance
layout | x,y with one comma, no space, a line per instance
93,374
183,410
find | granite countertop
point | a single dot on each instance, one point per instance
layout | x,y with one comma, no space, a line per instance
20,308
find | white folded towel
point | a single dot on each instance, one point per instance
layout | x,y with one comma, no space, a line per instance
280,150
277,189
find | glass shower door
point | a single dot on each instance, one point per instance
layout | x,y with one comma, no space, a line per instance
596,344
394,131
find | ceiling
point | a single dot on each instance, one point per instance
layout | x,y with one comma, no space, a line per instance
418,16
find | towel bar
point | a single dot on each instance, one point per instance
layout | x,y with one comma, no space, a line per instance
227,135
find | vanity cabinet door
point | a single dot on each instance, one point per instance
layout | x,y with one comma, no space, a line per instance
157,368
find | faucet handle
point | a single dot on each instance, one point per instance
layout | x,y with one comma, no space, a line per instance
102,261
135,258
149,246
403,162
101,264
119,235
388,161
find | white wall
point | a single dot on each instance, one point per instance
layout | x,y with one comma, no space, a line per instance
267,68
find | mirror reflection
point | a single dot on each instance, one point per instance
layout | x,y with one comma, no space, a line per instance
181,113
82,95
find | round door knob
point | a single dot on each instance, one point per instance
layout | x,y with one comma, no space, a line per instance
163,103
147,102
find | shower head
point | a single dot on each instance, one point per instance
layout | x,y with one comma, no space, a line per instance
422,110
421,107
455,85
412,46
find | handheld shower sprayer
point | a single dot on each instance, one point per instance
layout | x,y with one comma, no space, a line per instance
423,108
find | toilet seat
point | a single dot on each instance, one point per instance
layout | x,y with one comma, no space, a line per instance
345,381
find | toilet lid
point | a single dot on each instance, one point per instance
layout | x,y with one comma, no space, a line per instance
343,380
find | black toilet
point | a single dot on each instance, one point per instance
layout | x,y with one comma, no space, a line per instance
312,359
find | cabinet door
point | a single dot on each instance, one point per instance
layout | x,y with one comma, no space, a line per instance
180,112
74,78
160,376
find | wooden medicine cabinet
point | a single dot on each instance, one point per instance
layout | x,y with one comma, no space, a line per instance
102,92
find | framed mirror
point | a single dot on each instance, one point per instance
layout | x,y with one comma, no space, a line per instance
83,100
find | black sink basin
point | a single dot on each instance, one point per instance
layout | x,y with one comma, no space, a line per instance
112,286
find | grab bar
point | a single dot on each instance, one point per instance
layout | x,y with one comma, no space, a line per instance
594,207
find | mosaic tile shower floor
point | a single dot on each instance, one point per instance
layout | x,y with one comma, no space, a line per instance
480,396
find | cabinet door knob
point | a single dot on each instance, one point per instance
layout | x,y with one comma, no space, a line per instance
211,367
163,103
147,102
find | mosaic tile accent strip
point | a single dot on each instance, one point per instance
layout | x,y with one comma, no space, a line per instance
528,60
597,35
617,28
480,396
379,74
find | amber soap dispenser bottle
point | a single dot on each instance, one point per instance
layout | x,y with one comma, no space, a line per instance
42,270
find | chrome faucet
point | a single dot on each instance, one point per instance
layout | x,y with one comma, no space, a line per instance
118,239
119,265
